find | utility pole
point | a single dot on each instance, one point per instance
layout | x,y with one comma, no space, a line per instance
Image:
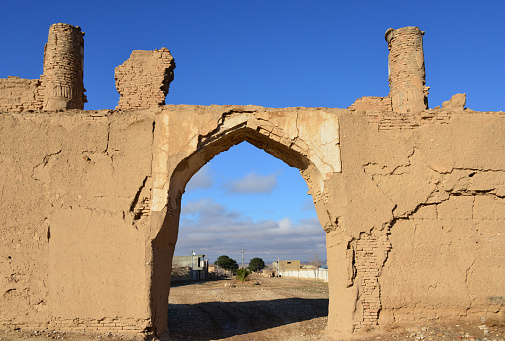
192,259
243,252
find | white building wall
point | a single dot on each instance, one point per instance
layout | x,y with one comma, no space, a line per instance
310,274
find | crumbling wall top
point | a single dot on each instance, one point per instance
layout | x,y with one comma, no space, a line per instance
144,79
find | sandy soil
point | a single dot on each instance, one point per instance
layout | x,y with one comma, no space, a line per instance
268,309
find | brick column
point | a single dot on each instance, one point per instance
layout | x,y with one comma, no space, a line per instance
63,68
407,77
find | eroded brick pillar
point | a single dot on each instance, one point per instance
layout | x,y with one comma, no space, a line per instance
407,77
63,68
144,79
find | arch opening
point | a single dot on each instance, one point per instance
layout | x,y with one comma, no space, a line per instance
163,244
229,215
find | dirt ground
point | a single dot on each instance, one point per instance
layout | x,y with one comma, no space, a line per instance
260,309
268,309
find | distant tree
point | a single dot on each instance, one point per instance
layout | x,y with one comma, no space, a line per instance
226,263
315,260
256,264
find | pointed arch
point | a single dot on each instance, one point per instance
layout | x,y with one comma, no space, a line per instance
187,141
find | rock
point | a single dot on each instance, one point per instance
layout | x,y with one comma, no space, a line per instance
457,101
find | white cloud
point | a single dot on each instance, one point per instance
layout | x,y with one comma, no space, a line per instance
253,183
209,228
202,179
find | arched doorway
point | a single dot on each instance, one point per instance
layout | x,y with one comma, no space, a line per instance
247,199
188,140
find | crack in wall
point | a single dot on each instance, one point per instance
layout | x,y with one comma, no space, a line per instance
138,206
297,127
214,134
367,255
106,151
39,171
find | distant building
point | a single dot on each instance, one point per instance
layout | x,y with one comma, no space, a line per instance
293,269
286,265
197,266
316,274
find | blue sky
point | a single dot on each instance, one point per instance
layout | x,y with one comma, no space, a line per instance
269,53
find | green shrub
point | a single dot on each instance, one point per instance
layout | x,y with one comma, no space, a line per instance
242,274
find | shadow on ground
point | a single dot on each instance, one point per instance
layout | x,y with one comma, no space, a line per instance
185,283
216,320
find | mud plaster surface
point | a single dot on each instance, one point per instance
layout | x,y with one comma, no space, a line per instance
414,213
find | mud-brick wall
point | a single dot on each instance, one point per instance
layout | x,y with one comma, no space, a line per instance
70,184
144,79
455,251
448,254
18,94
424,214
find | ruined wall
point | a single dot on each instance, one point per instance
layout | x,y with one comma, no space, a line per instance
420,218
412,199
414,213
61,85
17,94
391,167
406,75
72,252
144,79
451,244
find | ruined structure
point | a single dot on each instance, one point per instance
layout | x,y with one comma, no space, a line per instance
143,80
407,78
61,86
412,200
63,68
